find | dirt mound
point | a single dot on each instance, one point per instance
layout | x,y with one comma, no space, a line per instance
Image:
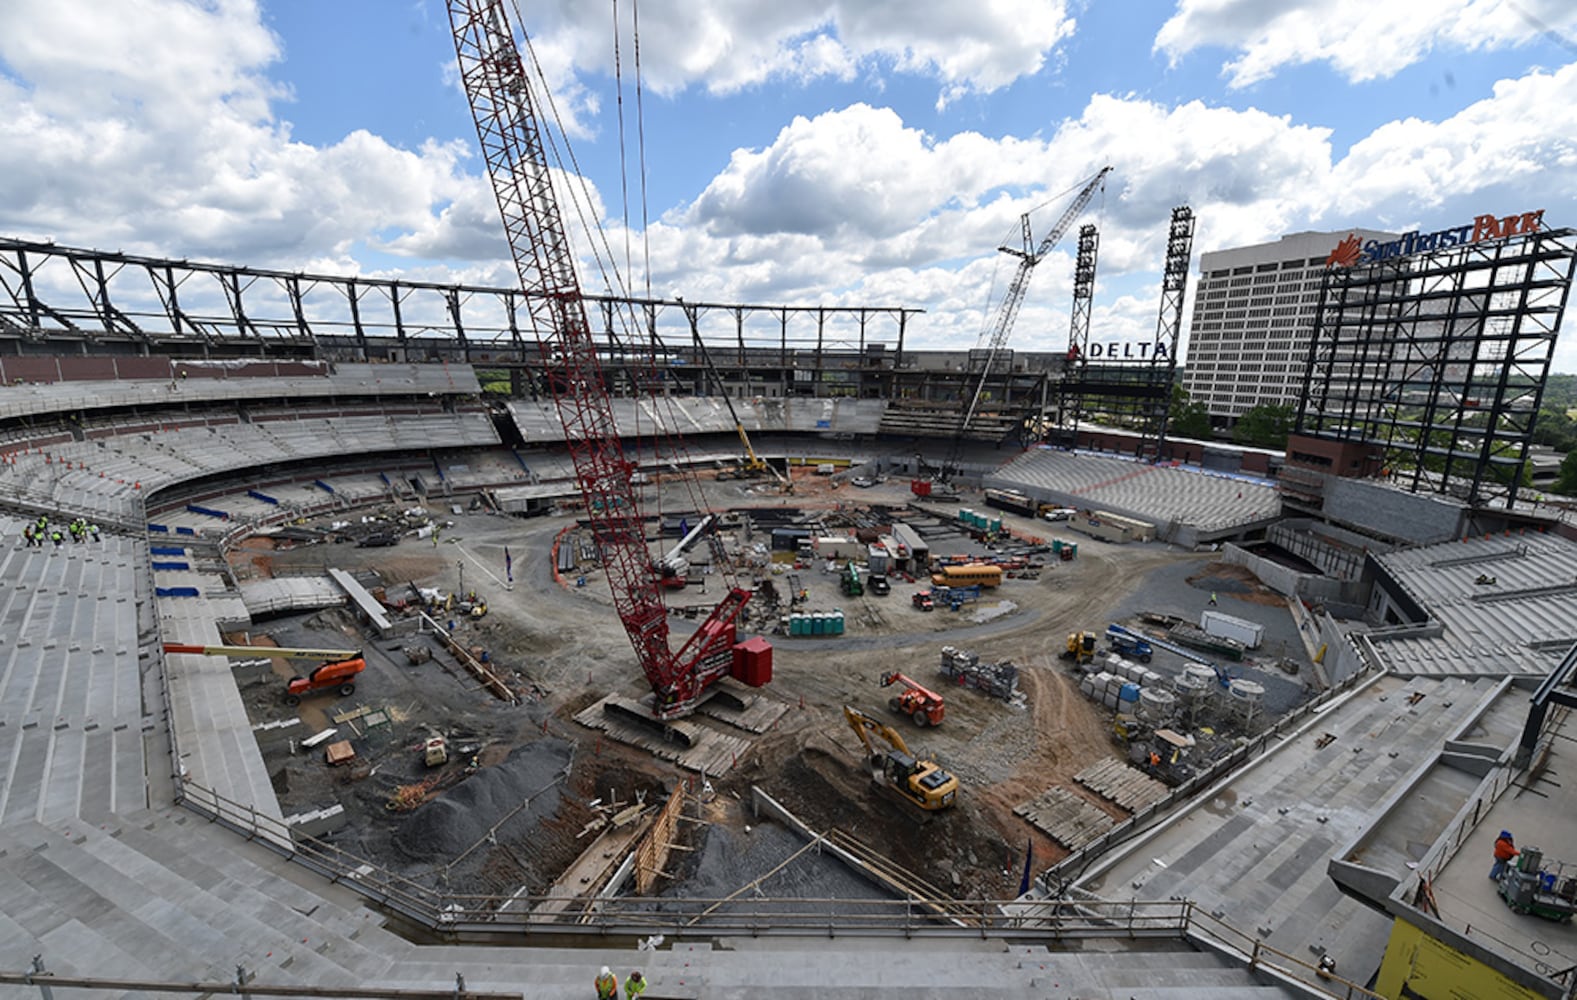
1226,578
460,817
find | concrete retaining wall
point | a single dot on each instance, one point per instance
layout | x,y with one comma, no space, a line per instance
1410,516
1290,583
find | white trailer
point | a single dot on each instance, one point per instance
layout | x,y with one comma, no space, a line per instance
1250,634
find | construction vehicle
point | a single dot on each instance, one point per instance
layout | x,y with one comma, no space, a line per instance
955,597
917,701
934,489
337,672
509,130
673,569
1081,647
849,580
922,601
916,782
1127,643
435,752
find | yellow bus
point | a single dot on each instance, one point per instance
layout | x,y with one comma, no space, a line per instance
968,575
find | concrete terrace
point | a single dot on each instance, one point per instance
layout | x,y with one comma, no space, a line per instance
1521,624
1185,504
1254,849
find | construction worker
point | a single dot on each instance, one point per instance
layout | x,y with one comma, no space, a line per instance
27,534
1505,850
94,530
55,537
634,986
1212,598
607,985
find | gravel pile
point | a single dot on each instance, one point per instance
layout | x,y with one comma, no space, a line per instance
457,819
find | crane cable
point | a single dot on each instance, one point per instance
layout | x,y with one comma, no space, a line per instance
607,267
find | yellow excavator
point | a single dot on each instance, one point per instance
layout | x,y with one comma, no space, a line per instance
920,783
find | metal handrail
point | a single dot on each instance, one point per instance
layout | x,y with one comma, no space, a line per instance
1261,955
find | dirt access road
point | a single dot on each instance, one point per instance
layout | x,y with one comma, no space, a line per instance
569,643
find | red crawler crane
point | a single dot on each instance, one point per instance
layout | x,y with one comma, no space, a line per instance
501,101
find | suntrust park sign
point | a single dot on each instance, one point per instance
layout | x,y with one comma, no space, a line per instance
1350,252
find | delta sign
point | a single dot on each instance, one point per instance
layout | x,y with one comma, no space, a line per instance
1123,351
1350,252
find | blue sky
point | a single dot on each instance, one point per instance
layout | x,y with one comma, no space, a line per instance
844,151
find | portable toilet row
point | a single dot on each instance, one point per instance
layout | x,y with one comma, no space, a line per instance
809,623
981,522
1058,546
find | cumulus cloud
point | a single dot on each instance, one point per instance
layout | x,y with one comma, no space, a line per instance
150,125
1361,40
1520,137
724,46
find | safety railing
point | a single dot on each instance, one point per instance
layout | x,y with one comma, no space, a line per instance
483,916
1267,959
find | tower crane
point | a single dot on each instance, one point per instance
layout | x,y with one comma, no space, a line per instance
508,129
1029,256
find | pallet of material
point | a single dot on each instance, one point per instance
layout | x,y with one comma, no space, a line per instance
1065,817
709,752
1122,783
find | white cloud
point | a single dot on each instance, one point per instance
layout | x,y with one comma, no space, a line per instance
725,46
149,125
1519,138
1360,39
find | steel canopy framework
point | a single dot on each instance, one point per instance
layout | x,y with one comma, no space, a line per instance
1439,360
162,304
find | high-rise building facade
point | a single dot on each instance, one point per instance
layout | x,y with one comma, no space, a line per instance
1253,319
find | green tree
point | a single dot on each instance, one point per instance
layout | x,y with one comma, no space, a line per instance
1189,420
1264,426
1566,482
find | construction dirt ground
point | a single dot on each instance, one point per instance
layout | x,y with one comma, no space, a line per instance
502,816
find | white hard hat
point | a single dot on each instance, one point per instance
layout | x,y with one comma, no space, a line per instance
605,970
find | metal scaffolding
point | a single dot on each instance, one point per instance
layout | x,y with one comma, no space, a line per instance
1439,360
1135,393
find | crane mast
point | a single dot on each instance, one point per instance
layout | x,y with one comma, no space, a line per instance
1028,257
507,126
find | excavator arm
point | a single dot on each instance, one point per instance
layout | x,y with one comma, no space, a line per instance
871,731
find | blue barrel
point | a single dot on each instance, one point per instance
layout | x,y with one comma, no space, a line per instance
1129,694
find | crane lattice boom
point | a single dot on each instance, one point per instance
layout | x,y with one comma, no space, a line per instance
500,95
